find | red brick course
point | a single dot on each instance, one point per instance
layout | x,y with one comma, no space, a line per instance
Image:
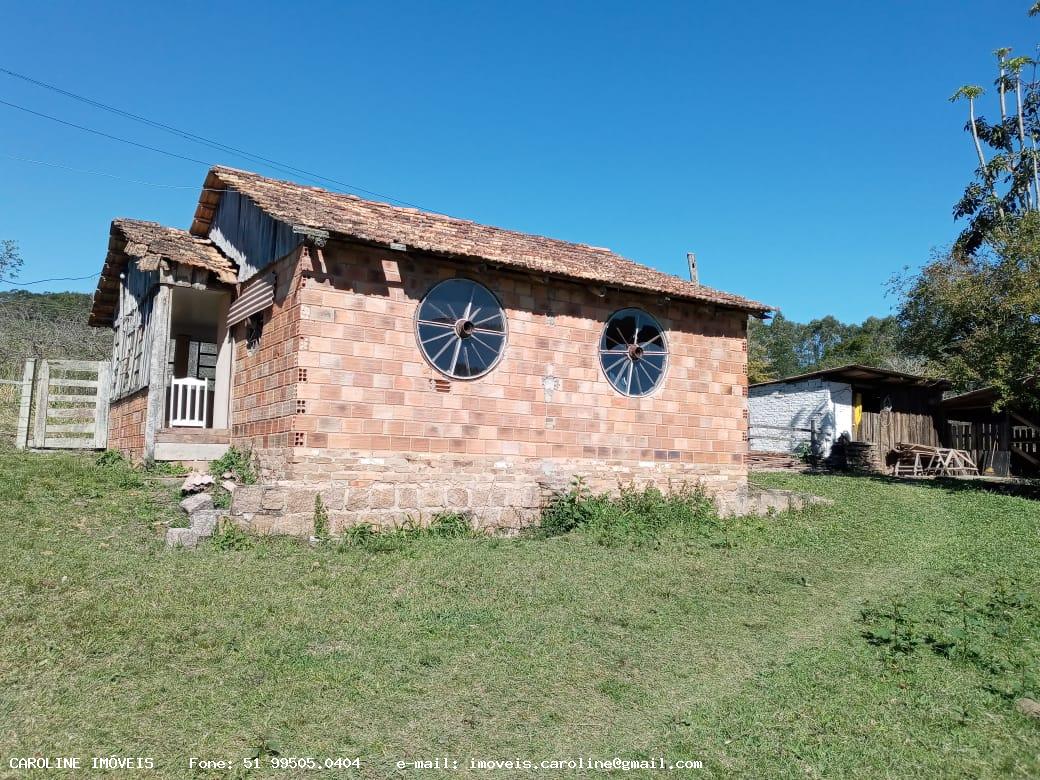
340,379
126,419
370,390
264,382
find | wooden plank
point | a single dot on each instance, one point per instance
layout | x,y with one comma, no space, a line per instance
42,389
74,399
73,365
101,410
68,444
74,412
72,428
62,382
24,407
1026,456
10,382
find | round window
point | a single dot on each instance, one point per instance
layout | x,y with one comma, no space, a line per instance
461,329
633,352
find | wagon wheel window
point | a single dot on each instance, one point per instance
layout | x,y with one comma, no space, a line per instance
633,352
461,329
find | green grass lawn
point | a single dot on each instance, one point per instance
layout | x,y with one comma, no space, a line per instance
742,645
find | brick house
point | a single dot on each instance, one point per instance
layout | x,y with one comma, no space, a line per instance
402,363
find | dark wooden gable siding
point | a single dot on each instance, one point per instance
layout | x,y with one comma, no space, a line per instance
249,236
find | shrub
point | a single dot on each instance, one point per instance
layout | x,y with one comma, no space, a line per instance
635,517
450,525
238,462
111,458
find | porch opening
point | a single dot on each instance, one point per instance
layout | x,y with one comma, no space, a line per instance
198,361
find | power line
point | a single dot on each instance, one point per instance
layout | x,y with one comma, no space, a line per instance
108,175
185,134
103,134
41,281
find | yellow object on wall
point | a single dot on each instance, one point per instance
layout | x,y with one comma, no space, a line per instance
857,409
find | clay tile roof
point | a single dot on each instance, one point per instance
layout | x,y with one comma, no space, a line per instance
380,223
149,243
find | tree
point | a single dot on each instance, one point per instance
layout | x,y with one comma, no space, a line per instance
978,314
783,346
1007,184
786,348
759,369
10,259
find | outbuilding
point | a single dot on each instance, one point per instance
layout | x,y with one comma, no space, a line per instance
810,412
400,363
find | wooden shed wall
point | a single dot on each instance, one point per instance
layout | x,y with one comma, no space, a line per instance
914,417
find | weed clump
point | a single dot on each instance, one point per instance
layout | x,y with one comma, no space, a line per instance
990,632
238,462
229,536
447,525
633,518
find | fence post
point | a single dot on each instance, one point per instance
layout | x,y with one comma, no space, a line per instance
104,387
43,377
21,439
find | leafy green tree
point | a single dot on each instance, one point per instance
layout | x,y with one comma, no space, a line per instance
1006,184
786,348
759,367
978,314
783,346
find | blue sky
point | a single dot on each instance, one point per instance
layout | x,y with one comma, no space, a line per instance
806,151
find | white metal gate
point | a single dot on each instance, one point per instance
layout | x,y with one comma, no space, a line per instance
64,405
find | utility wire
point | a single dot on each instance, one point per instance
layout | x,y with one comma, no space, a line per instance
108,175
284,167
104,135
41,281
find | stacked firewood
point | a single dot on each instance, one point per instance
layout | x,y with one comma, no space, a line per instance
774,461
862,456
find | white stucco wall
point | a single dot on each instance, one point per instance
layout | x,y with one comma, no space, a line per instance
777,410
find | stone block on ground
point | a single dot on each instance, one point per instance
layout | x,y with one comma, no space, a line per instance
204,522
181,537
197,502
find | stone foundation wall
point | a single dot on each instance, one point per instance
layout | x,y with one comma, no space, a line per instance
503,494
126,418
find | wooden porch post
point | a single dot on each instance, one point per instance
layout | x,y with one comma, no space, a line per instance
222,382
157,369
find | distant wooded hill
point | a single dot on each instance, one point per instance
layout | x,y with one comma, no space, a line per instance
47,325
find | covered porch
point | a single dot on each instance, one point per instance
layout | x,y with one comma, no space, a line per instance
195,423
167,296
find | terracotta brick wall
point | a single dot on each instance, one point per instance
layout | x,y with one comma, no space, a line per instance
369,389
368,411
264,382
126,418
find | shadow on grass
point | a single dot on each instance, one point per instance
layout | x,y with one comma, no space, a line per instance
1019,487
